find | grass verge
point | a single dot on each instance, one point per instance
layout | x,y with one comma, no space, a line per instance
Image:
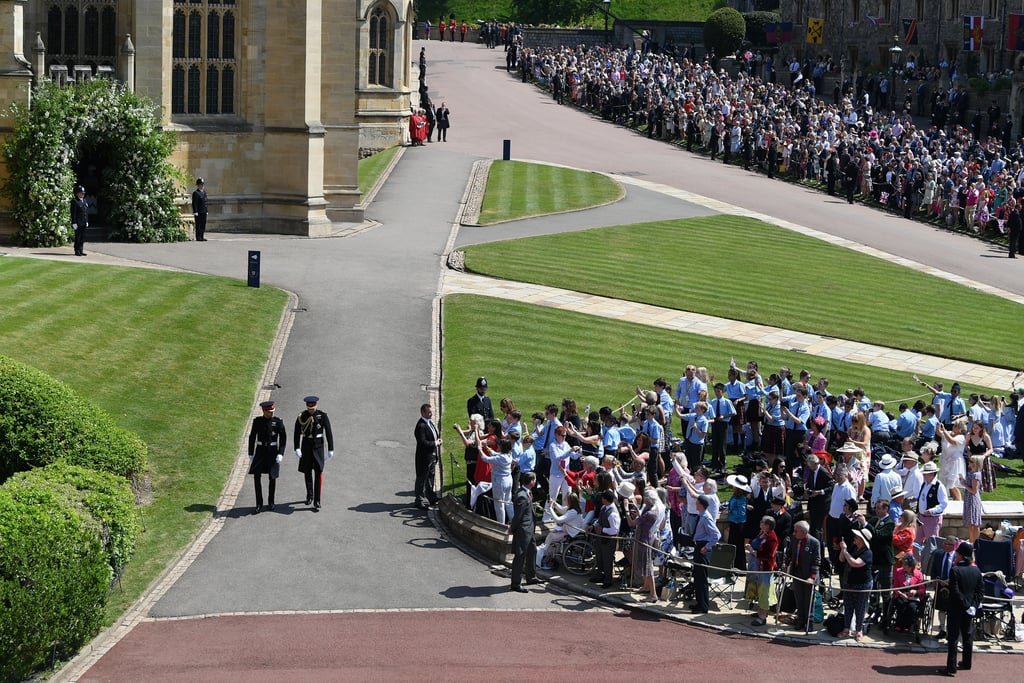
371,168
173,357
766,275
517,189
549,354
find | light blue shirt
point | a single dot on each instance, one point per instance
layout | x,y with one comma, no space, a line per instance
688,392
802,412
928,428
610,439
878,421
697,425
527,460
906,424
720,407
707,531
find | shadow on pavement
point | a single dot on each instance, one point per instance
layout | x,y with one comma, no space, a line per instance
908,670
473,591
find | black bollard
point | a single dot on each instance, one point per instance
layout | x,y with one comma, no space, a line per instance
254,269
506,150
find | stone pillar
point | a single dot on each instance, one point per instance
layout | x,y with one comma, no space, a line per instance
126,66
39,59
15,83
339,70
293,150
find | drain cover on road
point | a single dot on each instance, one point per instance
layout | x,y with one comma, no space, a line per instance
388,444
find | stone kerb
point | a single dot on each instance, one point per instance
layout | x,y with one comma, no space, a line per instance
483,535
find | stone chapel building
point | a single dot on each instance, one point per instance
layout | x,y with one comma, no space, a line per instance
273,101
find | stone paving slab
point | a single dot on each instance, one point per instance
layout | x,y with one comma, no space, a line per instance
456,282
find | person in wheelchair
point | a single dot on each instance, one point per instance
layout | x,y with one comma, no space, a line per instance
569,521
909,594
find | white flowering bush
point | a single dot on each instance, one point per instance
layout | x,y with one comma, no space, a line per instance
109,123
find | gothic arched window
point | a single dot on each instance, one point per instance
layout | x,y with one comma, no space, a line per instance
204,49
379,57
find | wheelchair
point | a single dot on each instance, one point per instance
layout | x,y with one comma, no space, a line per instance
575,555
921,624
995,620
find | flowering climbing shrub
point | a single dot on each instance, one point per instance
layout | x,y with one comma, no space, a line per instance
103,121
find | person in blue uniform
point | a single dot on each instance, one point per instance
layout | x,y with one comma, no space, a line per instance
79,219
267,440
312,434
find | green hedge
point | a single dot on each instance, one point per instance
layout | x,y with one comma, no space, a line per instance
43,420
105,497
54,578
724,31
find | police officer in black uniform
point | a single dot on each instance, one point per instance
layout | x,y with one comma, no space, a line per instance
199,209
267,440
312,429
480,403
79,219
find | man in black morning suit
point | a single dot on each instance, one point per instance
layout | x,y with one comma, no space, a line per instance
522,528
965,595
200,209
267,440
480,403
428,447
79,219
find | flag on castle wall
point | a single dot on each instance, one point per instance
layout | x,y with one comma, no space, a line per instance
910,31
785,31
1015,34
815,31
771,33
974,29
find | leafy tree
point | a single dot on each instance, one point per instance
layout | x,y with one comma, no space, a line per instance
756,21
724,31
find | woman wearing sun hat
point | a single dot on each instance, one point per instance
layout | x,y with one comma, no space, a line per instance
858,559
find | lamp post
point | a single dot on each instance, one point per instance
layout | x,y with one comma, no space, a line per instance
895,53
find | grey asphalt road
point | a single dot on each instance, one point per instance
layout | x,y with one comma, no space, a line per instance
362,343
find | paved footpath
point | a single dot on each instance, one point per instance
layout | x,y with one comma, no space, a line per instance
398,600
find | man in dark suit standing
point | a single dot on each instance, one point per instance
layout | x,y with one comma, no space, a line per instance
267,440
200,209
480,403
312,429
965,595
817,485
522,530
79,219
1013,225
428,448
804,561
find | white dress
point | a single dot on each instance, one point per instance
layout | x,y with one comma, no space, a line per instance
951,462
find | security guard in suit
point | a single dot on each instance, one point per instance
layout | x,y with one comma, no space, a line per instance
267,440
79,219
200,209
312,430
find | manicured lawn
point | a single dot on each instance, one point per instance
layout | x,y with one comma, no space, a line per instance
540,355
516,189
174,357
371,167
471,10
740,268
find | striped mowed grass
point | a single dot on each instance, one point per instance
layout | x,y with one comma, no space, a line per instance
516,189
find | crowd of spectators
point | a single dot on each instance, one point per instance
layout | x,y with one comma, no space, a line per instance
807,454
964,168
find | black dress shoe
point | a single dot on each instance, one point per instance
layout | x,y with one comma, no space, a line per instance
945,672
697,610
271,507
420,505
316,507
535,581
961,667
941,635
309,500
518,589
258,510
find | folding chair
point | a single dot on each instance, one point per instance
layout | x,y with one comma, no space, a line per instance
722,572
